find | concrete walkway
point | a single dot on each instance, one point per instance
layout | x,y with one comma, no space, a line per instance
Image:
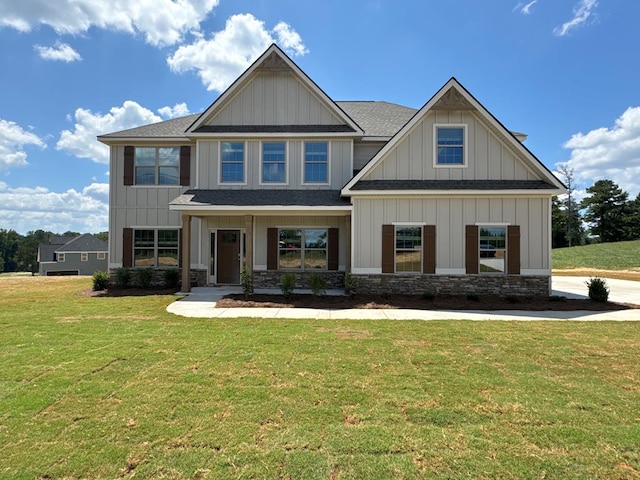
201,303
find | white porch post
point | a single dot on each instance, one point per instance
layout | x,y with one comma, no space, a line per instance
186,252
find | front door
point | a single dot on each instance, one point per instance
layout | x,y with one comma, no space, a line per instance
228,257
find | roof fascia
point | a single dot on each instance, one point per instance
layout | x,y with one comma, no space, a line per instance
454,193
204,135
231,90
259,208
122,140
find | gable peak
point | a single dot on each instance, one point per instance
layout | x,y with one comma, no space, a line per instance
273,63
453,99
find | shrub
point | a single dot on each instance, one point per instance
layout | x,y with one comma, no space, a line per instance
428,296
123,277
246,280
144,276
287,284
172,277
598,289
350,284
558,298
100,280
474,297
512,299
317,284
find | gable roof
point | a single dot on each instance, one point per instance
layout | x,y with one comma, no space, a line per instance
273,57
84,243
378,119
453,96
168,129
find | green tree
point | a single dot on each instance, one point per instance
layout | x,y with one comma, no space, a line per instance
9,242
27,253
608,212
102,236
561,213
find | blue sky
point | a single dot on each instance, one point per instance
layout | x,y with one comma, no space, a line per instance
563,71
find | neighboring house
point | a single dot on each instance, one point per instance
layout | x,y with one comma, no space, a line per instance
277,177
81,255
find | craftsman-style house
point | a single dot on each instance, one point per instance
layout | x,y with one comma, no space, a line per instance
277,177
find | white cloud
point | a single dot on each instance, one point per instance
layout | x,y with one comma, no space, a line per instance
581,13
220,59
162,22
59,52
612,153
525,8
13,139
81,141
26,209
178,110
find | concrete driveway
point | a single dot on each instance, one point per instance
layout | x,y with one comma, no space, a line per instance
620,291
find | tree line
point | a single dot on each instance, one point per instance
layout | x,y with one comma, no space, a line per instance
19,253
606,214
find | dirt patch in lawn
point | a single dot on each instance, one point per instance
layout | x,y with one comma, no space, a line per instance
633,274
417,302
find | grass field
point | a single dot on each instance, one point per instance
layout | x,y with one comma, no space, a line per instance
104,387
601,256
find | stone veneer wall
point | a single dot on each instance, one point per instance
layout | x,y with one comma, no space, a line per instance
502,285
273,278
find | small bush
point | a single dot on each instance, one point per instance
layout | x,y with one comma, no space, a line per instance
598,289
474,297
144,277
172,277
100,280
123,277
351,284
317,284
287,284
428,296
558,298
512,299
246,280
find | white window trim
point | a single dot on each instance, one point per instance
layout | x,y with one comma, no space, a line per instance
60,258
328,182
101,255
465,145
244,163
395,248
286,163
302,249
155,246
156,183
84,257
506,245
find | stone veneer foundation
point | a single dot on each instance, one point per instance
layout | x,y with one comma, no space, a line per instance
502,285
273,278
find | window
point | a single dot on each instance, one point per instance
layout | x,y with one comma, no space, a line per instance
157,165
274,162
408,251
155,248
493,249
232,162
61,257
102,255
316,162
302,249
84,257
450,142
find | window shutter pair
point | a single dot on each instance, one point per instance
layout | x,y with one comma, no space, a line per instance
272,249
185,165
428,249
472,249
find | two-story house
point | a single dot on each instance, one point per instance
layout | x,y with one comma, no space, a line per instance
277,177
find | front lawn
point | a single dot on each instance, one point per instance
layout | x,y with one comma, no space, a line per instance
115,387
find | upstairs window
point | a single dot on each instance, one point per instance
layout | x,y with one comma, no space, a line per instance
450,145
157,165
232,162
84,257
316,166
60,257
274,162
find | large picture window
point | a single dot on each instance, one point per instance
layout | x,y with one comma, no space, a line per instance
302,249
232,162
450,148
408,249
157,165
274,162
493,249
316,165
155,248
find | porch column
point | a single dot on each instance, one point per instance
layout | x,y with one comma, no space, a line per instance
186,252
347,244
248,225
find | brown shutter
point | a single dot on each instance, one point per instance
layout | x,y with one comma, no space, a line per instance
129,154
429,249
127,247
332,250
272,248
513,249
185,165
388,249
472,247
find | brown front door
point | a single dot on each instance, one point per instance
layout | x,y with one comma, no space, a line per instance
228,256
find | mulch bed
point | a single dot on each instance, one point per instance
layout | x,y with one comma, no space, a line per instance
440,302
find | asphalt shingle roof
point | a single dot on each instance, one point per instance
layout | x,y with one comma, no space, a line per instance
275,198
84,243
169,128
452,185
378,119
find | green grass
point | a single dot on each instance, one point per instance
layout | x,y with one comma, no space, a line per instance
602,256
118,388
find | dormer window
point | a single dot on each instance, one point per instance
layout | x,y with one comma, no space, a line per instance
450,145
